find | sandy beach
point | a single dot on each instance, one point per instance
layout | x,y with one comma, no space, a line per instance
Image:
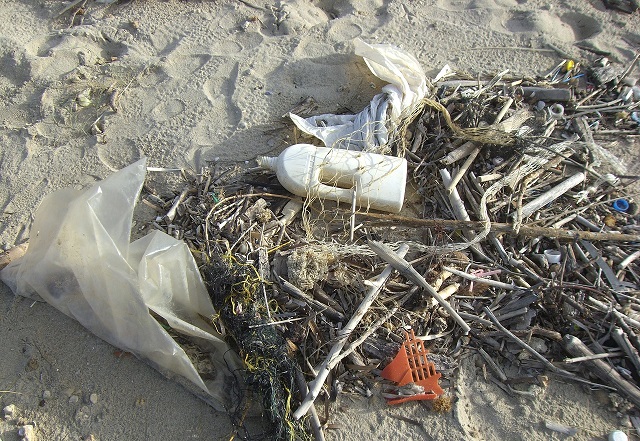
185,83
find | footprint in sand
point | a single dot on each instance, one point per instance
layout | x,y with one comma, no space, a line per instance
583,26
116,157
182,65
168,109
54,55
14,67
222,112
463,5
343,30
239,42
226,47
341,8
567,28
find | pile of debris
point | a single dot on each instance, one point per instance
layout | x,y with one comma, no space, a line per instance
520,242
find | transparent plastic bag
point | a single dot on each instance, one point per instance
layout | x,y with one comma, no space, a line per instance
369,129
80,261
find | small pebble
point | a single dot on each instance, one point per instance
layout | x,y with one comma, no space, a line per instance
93,398
27,432
73,399
46,394
9,411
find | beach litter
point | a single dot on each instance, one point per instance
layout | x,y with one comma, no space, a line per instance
81,261
513,244
412,367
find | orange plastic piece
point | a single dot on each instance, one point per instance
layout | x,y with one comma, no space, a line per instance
412,366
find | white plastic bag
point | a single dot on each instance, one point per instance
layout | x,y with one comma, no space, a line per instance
80,261
368,130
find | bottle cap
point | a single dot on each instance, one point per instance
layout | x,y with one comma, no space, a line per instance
556,111
621,205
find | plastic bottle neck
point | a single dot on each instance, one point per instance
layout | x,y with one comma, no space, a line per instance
268,163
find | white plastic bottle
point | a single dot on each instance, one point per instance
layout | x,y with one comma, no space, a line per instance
320,172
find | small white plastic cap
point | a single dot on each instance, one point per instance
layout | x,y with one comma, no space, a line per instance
618,435
552,256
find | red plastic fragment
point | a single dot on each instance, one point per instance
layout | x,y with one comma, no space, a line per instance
411,365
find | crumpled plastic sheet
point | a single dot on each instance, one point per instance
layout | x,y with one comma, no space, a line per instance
81,261
369,129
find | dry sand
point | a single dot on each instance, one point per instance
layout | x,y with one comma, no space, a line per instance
199,80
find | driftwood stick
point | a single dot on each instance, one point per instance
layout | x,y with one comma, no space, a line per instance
592,357
457,205
536,330
348,350
492,364
525,230
623,341
608,308
316,426
407,270
446,292
552,194
475,318
627,260
504,110
632,336
477,279
601,369
461,152
316,385
171,214
451,185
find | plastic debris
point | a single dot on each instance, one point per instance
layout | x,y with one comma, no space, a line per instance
556,111
618,435
81,262
415,375
552,256
369,130
375,181
621,205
